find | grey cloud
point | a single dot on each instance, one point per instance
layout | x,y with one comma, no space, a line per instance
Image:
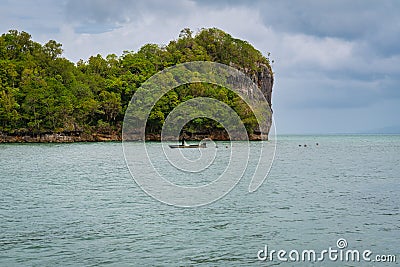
31,16
319,89
96,16
227,3
375,21
340,18
99,16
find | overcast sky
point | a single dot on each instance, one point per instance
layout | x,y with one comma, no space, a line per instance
337,63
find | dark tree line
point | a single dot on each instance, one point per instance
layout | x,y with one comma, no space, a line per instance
40,91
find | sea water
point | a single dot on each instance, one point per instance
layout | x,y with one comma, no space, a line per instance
77,204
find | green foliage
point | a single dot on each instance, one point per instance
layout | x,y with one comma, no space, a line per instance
40,91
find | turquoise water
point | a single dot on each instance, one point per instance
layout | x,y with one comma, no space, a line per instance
76,204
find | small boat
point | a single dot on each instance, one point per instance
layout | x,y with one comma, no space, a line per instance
202,145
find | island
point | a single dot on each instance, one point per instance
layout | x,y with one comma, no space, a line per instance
44,97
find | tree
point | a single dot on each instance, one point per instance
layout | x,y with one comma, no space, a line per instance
52,49
110,103
9,115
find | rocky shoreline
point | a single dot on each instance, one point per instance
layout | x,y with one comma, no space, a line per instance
98,137
58,138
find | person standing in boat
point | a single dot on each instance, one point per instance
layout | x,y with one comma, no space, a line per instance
183,140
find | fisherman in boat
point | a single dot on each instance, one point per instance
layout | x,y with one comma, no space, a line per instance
183,140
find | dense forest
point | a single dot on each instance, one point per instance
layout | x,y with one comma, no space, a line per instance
43,92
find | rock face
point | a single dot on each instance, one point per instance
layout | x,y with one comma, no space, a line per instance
265,80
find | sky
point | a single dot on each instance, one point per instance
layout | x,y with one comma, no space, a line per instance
336,63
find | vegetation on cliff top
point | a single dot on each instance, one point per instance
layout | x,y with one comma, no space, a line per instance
40,91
